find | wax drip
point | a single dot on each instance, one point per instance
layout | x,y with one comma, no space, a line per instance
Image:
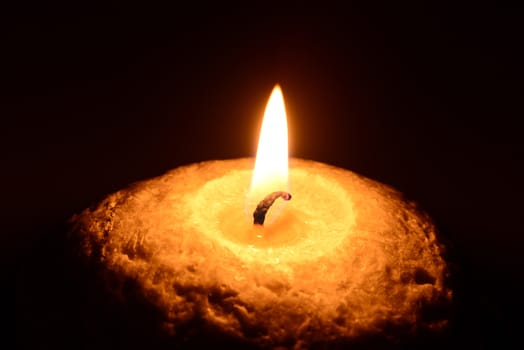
259,215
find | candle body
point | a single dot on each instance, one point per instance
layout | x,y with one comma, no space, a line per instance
346,258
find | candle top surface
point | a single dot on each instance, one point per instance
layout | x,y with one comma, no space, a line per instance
347,256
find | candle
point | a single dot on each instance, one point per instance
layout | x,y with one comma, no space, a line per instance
340,258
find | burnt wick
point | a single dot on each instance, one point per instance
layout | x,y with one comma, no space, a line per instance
259,215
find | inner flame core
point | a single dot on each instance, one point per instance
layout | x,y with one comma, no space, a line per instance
271,166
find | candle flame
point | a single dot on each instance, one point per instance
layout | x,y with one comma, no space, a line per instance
271,165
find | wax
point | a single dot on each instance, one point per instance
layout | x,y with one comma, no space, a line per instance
346,258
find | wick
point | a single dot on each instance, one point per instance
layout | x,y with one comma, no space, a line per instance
259,215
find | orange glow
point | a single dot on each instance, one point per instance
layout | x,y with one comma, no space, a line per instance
271,165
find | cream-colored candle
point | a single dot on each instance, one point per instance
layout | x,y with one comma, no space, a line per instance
346,257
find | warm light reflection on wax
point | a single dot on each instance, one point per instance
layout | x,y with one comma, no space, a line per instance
271,165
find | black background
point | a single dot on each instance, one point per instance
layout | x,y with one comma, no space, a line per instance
423,98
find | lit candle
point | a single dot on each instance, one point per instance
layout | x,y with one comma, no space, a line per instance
345,258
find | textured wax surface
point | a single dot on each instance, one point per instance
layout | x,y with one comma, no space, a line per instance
347,258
